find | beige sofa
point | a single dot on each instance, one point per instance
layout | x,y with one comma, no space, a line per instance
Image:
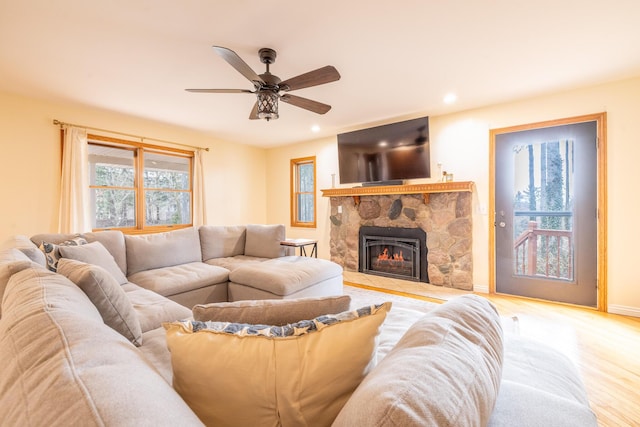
62,364
205,264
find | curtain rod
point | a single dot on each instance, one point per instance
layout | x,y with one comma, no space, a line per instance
142,138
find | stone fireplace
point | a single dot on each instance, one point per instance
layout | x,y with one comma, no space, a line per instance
442,211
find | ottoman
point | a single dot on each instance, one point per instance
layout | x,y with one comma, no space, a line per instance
285,278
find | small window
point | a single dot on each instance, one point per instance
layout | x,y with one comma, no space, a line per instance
303,192
138,188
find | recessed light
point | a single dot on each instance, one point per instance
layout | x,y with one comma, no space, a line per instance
450,98
315,128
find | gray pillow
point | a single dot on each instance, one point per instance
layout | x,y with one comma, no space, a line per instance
26,246
107,295
113,240
8,269
271,312
264,240
52,250
221,241
445,371
94,253
150,251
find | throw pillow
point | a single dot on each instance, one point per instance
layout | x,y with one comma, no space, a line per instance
26,246
300,374
107,295
264,240
94,253
52,251
221,241
445,371
271,312
157,250
8,269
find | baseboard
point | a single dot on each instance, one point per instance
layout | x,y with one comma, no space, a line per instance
624,310
482,289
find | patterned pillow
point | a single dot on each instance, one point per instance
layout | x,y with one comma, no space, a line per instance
52,253
271,311
290,330
303,373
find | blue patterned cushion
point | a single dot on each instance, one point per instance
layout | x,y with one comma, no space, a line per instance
52,253
291,330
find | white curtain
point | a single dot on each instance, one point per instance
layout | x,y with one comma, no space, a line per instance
75,215
199,204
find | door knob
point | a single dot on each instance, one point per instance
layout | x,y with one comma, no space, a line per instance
502,224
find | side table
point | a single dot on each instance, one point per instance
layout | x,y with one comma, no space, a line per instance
302,243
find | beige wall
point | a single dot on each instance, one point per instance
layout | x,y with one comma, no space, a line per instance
461,143
30,164
237,189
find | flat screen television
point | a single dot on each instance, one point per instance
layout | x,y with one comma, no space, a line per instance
385,154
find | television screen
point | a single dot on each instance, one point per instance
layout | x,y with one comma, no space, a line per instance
392,152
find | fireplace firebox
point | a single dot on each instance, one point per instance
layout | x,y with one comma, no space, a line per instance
393,252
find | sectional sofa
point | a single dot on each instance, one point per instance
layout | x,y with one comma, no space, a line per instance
79,347
198,265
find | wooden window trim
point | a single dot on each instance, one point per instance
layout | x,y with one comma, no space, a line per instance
139,148
294,191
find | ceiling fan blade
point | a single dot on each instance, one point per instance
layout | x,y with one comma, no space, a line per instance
236,62
317,77
254,112
307,104
219,90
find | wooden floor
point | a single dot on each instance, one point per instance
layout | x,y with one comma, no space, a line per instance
604,347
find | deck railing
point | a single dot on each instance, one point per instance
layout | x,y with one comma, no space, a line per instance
541,252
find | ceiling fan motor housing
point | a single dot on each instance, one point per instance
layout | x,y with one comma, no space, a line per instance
267,56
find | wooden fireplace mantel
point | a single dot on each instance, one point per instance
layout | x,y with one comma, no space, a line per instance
385,190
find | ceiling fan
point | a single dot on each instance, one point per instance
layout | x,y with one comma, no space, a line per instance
268,86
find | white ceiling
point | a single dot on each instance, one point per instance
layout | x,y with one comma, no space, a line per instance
397,58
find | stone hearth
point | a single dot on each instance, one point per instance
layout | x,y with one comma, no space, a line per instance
445,217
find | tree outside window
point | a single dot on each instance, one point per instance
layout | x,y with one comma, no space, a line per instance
303,192
138,188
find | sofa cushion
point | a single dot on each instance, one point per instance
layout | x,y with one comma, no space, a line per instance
113,240
270,312
106,294
12,261
56,238
219,241
300,374
264,240
444,371
11,255
177,279
26,246
94,253
286,275
61,365
154,309
233,262
52,250
151,251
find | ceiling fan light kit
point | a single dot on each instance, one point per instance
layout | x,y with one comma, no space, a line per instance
267,105
268,86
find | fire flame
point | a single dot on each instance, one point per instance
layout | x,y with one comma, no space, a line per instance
385,256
